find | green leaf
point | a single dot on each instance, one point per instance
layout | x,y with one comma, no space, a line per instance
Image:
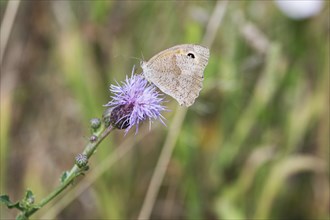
5,200
29,197
21,217
64,176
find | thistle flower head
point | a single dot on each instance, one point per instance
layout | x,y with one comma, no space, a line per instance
133,102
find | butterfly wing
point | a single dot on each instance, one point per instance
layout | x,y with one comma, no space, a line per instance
178,71
192,64
166,78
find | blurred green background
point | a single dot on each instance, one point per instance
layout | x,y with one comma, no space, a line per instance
254,145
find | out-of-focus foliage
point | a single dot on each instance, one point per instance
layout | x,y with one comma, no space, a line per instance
254,145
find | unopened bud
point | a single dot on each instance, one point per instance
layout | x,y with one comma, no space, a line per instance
81,160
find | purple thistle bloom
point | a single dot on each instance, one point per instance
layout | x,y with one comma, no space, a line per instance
133,102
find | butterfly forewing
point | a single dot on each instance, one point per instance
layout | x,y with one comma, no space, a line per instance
178,71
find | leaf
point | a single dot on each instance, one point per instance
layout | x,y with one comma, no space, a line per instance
21,217
64,176
5,200
29,197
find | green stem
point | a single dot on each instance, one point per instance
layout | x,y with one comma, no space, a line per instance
74,172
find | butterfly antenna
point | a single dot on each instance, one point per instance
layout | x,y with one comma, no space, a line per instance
141,61
142,56
133,70
135,58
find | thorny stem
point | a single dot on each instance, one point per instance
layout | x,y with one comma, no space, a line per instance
74,172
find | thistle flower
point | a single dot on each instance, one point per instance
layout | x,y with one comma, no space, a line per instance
134,102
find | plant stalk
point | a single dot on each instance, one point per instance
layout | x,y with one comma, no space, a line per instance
74,172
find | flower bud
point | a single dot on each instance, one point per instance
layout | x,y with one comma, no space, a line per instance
95,123
120,116
106,117
93,138
81,160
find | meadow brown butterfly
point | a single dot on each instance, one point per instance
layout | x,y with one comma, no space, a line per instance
178,71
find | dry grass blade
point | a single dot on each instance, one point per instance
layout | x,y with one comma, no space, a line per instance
164,158
7,25
284,169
